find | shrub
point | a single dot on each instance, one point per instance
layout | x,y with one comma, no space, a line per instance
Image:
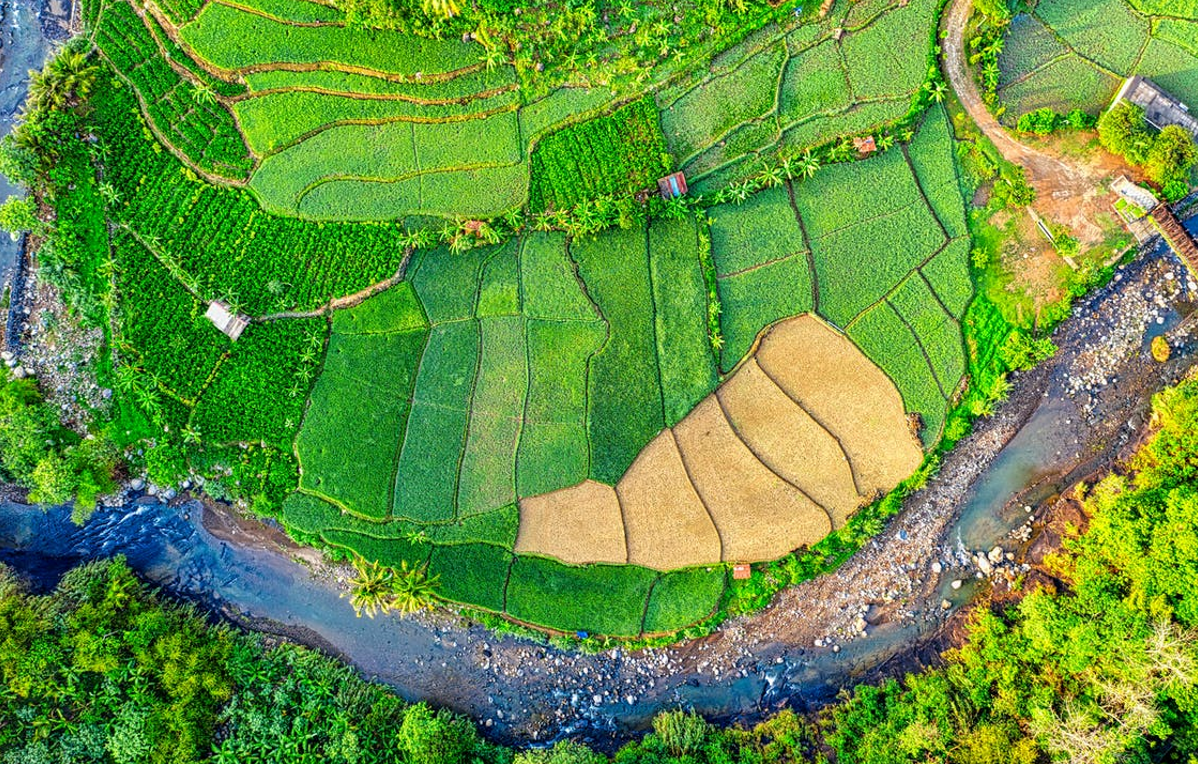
1160,349
436,737
1123,131
680,732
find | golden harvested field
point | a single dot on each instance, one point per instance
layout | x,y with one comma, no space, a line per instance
793,443
848,395
668,526
577,524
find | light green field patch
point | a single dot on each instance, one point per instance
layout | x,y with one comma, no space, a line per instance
705,114
847,194
948,273
394,310
500,291
1172,68
1066,84
1104,31
427,476
229,38
760,230
884,338
813,83
857,266
272,121
466,86
889,57
479,193
488,479
551,288
292,10
934,160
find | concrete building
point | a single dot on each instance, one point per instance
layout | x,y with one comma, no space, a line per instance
1160,108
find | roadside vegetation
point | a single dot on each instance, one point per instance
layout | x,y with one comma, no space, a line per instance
1097,662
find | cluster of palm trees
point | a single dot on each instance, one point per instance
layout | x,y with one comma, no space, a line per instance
67,81
377,589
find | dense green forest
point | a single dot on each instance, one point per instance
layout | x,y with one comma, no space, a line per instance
1097,663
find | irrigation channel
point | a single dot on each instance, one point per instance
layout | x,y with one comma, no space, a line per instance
1064,421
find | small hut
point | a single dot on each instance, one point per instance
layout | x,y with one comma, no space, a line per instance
672,186
232,324
741,572
865,146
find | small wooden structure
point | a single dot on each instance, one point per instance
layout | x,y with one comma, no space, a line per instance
1176,235
838,33
865,146
741,572
672,186
232,324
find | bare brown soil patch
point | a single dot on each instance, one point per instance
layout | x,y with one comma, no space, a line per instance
759,515
579,524
788,441
846,393
668,526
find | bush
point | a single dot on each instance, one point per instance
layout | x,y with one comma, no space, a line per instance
680,732
436,737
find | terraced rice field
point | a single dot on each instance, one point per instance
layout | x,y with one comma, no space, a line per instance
1071,54
549,423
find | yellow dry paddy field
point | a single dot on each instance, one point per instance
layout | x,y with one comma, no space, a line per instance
800,436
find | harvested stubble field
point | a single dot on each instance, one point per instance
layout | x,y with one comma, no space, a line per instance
543,422
1075,53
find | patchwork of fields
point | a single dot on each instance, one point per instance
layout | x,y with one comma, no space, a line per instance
334,122
855,70
1071,54
574,431
553,397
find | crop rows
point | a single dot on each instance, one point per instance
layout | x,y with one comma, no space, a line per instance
617,153
204,132
221,237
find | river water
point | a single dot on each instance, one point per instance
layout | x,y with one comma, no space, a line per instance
28,31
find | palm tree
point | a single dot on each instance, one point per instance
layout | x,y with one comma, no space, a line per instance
809,165
771,176
370,588
413,590
69,76
203,95
441,9
885,142
938,90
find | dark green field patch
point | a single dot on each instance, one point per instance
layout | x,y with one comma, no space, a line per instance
688,369
447,283
471,574
684,597
391,553
598,599
616,153
349,441
497,527
259,391
625,397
